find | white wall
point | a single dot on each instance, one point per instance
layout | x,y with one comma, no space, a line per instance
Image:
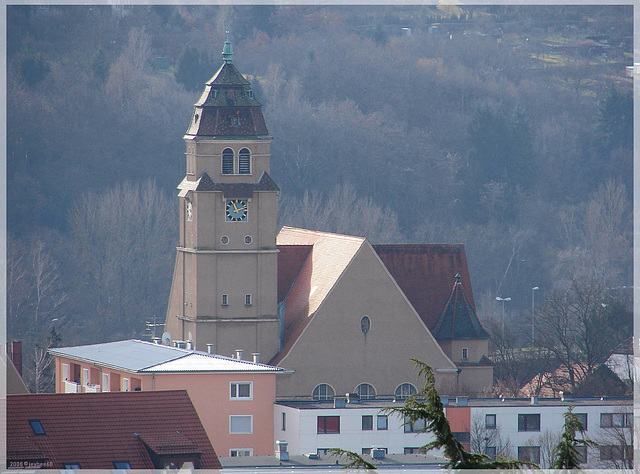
303,437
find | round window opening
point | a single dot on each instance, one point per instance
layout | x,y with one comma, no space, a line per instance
248,239
365,324
224,239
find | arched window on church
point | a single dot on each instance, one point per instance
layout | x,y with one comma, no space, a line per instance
323,391
227,161
405,390
366,391
244,162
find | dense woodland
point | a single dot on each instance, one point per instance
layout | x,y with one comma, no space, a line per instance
506,128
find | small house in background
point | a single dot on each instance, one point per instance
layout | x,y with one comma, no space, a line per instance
233,397
146,430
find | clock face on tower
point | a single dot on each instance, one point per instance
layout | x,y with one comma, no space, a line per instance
236,210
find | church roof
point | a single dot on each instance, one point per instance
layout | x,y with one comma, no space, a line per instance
310,264
458,319
423,272
327,257
96,429
227,107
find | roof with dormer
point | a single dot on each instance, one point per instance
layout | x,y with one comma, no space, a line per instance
458,319
96,429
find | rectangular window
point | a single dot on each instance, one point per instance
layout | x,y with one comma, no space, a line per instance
367,422
463,436
328,424
414,427
490,422
241,424
412,450
616,453
125,385
284,422
582,418
383,422
616,420
236,453
582,454
490,451
529,453
105,382
529,422
241,391
225,300
366,451
85,376
191,168
465,353
65,371
36,426
247,300
122,464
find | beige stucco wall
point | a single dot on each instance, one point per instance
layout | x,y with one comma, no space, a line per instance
334,350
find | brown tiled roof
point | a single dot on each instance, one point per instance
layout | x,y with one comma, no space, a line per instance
424,273
96,429
315,278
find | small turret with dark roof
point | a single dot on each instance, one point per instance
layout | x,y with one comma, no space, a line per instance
227,107
458,319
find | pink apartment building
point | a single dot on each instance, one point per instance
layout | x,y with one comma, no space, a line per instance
233,397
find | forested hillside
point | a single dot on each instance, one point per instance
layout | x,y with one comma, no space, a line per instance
506,128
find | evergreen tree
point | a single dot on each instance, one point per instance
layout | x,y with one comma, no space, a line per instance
565,454
426,405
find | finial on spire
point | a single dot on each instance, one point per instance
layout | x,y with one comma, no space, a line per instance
227,51
458,276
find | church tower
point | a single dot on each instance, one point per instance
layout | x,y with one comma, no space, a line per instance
224,289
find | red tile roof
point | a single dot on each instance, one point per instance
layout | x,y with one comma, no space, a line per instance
425,273
96,429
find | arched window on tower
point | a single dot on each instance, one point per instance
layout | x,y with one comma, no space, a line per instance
227,161
245,161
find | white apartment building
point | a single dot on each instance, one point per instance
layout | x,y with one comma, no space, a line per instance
518,428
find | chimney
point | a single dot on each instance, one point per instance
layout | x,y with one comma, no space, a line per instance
352,397
190,345
339,402
239,354
16,355
281,450
534,400
256,357
209,348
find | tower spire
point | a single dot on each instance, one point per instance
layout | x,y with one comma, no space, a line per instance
227,50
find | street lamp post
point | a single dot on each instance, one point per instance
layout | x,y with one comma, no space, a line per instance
503,311
533,311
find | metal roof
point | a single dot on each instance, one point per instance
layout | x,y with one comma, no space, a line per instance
141,356
201,362
131,354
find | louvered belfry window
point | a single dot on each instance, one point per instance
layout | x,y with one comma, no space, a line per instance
245,161
227,161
